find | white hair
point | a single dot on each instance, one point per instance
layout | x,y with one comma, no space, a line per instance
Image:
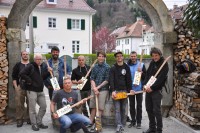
37,55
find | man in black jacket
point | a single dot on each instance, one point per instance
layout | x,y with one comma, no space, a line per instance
120,81
154,92
77,73
20,94
34,76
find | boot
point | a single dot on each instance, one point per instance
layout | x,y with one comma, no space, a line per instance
85,130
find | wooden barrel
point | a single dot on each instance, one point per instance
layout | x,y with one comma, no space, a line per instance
108,116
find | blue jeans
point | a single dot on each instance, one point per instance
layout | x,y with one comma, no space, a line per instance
120,112
67,120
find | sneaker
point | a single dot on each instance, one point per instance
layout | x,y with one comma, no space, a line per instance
119,129
28,122
149,131
42,126
35,128
90,125
19,123
131,125
128,119
138,126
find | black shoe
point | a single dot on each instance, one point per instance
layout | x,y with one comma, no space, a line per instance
42,126
131,125
128,119
28,122
138,126
35,128
150,131
90,125
19,123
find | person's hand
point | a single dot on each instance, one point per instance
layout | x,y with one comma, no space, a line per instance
84,100
55,116
113,94
139,69
50,69
148,89
80,81
132,92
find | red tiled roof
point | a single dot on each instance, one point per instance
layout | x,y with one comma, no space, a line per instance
134,30
76,5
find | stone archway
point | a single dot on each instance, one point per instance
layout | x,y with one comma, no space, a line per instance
156,10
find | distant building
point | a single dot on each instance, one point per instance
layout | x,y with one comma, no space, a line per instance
129,37
63,23
148,41
177,12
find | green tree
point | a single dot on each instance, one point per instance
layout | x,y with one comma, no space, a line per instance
90,3
192,16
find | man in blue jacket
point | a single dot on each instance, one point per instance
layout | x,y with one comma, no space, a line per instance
136,113
57,65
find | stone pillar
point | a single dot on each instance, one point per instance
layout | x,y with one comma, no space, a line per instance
16,43
168,39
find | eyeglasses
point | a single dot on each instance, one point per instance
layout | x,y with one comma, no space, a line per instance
38,59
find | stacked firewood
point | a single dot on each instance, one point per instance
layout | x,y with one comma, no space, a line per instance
186,86
187,98
3,72
187,46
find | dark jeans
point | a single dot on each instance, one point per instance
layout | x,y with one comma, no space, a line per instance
136,111
153,107
85,94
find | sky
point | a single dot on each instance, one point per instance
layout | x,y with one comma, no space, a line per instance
170,3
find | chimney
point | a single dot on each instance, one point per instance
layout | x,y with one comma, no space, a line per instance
175,6
139,18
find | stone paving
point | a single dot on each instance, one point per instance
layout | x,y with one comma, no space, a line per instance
171,125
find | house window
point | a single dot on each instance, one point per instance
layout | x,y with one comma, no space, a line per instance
126,41
76,24
75,46
52,22
126,51
51,1
51,45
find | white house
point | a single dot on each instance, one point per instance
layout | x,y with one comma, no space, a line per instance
129,38
63,23
148,41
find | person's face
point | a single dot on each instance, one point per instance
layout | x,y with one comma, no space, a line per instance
133,58
55,54
81,61
101,58
155,57
38,60
25,56
119,58
67,84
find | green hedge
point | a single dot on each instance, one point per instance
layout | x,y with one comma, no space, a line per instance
110,59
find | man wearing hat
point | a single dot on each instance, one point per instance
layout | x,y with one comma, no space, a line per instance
120,81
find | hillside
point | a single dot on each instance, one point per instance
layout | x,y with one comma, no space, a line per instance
116,13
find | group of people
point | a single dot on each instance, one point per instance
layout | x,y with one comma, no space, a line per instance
101,80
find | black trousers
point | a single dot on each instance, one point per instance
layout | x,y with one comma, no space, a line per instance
136,108
153,107
85,94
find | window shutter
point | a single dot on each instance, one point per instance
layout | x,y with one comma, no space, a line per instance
34,22
82,24
69,23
